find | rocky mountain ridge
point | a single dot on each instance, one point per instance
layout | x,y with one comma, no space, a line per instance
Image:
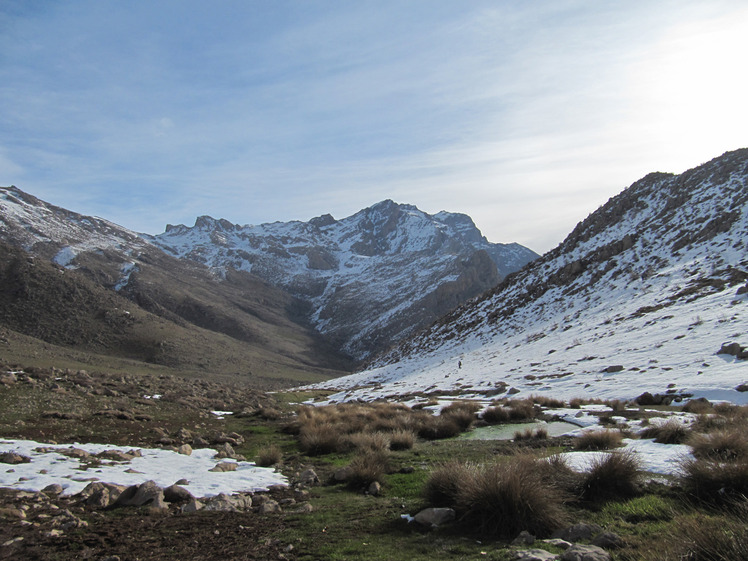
371,278
86,284
642,295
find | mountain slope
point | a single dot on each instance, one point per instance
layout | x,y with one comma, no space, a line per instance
639,297
88,284
371,278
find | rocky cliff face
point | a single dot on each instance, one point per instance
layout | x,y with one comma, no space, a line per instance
371,279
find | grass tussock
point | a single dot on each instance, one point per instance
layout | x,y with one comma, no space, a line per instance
612,476
502,499
374,441
715,481
402,440
671,432
703,538
443,486
599,440
319,438
496,415
269,456
722,445
367,467
530,435
547,402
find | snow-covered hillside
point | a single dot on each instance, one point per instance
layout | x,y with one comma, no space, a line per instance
371,278
61,235
641,296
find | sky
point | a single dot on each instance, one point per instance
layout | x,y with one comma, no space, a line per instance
527,116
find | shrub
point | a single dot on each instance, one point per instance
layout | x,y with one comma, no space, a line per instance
709,539
725,445
671,432
547,402
462,413
443,485
365,441
402,440
598,440
502,499
612,476
435,428
698,406
522,410
367,467
715,481
269,456
575,403
496,415
318,439
530,434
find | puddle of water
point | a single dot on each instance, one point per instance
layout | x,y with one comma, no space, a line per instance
506,432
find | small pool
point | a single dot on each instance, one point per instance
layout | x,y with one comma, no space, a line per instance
506,432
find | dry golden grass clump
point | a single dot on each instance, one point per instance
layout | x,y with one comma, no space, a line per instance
612,476
496,415
671,432
529,434
269,456
599,440
375,426
500,499
367,467
721,445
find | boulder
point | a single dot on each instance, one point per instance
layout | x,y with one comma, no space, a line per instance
53,490
177,494
308,477
435,516
145,494
524,538
579,552
13,458
185,449
269,506
577,532
607,540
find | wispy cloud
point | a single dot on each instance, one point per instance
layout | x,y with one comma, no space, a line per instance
524,115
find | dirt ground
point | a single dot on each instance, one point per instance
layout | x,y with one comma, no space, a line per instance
130,534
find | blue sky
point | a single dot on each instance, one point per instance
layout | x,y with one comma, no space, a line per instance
525,115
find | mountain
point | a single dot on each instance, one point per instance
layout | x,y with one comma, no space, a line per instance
370,279
647,294
83,283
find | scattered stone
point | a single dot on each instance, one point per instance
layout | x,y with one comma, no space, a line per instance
182,482
374,489
579,552
185,449
342,474
177,494
535,555
227,451
734,349
435,516
613,369
608,540
558,542
66,520
577,532
11,542
306,508
226,503
13,458
53,490
524,538
269,506
224,466
308,477
114,455
193,506
145,494
12,513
